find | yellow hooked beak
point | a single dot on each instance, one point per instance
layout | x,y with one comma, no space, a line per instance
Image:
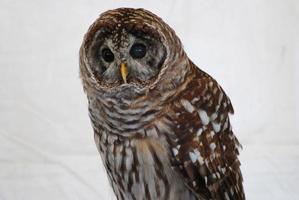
124,72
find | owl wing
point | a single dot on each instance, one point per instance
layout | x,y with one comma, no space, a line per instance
205,150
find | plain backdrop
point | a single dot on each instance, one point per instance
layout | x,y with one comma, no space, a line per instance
46,142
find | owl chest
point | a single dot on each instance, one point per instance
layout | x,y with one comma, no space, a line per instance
140,169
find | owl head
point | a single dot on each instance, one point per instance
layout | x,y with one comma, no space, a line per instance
130,48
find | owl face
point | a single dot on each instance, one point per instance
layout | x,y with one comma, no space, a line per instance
125,55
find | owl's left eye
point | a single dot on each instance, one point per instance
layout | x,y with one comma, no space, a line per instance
138,50
107,55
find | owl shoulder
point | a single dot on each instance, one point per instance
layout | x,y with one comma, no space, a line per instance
204,92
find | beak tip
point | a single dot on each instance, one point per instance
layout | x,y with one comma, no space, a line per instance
124,72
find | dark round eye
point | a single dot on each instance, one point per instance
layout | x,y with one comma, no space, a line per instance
138,50
107,55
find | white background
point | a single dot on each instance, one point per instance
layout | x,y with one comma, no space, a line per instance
46,142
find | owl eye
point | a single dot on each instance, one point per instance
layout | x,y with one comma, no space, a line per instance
138,50
107,55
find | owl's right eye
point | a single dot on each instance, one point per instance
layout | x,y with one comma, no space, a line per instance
138,50
107,55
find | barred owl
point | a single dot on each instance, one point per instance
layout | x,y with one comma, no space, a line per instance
161,125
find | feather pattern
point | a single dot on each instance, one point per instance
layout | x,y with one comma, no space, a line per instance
205,149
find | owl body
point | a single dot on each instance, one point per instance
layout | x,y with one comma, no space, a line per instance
161,124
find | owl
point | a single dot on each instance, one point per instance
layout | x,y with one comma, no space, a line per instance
161,124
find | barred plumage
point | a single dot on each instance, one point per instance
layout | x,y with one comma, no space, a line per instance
163,130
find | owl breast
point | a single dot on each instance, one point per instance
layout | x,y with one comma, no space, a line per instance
134,151
140,168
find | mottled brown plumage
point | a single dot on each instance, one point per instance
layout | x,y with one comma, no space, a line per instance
162,128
